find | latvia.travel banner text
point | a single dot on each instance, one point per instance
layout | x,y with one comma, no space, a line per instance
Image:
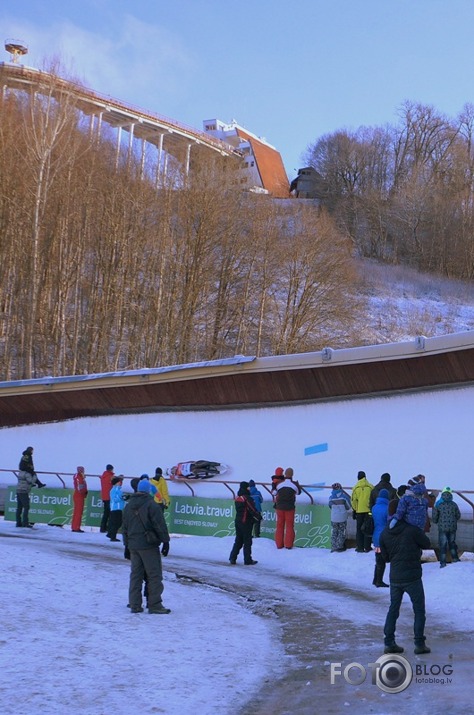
186,515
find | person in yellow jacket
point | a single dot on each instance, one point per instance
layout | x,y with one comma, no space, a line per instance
360,504
161,497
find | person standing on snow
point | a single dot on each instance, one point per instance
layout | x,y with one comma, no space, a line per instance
402,547
446,514
340,505
380,517
360,504
79,498
105,487
285,505
257,497
27,479
142,518
161,496
245,516
117,504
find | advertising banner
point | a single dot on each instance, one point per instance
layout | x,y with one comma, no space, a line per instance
215,517
55,507
186,515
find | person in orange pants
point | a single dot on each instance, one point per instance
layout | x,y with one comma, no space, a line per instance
285,505
79,496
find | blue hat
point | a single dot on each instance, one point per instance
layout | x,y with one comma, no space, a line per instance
144,476
144,486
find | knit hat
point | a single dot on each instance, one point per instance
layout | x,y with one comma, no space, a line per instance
158,471
79,469
144,486
419,479
251,483
109,468
383,493
446,489
144,476
279,471
360,475
336,485
385,477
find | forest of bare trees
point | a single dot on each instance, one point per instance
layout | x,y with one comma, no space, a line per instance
405,193
102,270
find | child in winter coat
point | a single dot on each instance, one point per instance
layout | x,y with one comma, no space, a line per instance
412,507
340,505
446,514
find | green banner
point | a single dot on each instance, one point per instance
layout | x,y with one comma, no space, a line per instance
55,507
215,517
186,515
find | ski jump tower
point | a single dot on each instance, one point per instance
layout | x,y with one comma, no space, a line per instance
16,49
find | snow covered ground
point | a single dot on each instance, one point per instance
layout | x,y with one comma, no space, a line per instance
69,643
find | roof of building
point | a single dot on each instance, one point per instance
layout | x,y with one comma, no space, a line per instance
269,164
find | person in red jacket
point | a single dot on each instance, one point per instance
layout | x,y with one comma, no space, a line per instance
105,487
79,496
285,505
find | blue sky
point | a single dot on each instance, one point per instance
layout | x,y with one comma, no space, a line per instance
288,71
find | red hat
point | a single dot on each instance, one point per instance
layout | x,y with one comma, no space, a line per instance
279,472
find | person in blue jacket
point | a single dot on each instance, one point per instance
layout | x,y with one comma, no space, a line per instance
117,503
257,497
380,517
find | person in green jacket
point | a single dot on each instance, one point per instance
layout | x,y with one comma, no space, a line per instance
360,505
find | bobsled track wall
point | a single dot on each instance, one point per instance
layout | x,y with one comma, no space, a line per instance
427,431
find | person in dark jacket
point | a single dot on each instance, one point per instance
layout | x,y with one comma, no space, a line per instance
402,546
393,503
142,516
245,516
446,514
27,478
383,484
285,505
380,517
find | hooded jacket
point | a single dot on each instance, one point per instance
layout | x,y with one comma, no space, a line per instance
402,547
361,496
142,514
446,513
340,505
413,506
380,515
286,493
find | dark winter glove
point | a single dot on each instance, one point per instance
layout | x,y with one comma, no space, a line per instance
126,553
165,548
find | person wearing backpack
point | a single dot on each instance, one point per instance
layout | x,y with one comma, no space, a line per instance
245,516
257,497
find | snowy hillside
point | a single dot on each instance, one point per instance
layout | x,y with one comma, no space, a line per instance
403,303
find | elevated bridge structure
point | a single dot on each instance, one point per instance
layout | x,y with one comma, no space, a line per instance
167,136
